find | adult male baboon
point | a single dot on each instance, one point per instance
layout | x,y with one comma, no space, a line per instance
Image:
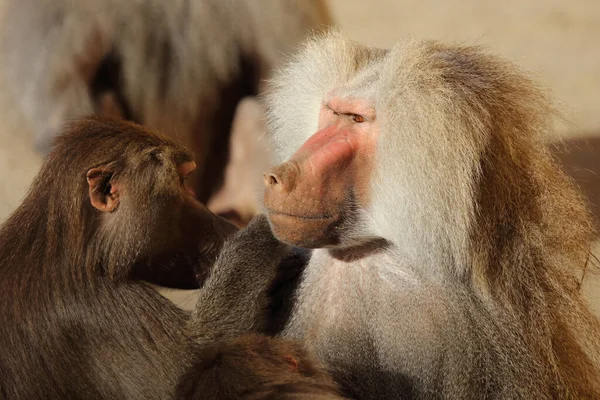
110,207
448,244
180,66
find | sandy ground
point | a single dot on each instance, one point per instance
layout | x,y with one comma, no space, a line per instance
556,41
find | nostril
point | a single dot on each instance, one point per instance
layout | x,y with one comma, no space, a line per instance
282,178
271,179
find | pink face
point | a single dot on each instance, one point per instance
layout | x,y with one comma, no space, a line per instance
311,195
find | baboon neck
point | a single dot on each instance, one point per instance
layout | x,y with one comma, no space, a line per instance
360,250
41,235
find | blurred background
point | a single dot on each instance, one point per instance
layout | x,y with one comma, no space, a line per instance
556,42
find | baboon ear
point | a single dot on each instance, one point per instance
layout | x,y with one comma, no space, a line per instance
104,194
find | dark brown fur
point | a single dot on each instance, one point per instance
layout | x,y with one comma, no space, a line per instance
77,321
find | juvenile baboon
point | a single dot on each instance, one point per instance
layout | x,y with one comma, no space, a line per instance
448,244
179,66
256,367
110,207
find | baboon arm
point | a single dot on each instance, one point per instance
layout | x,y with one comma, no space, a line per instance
234,298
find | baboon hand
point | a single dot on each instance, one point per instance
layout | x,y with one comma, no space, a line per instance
259,236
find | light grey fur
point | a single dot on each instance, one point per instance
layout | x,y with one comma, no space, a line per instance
422,317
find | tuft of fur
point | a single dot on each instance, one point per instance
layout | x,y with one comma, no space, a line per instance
475,208
257,367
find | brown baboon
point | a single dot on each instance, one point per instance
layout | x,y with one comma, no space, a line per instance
110,207
256,367
179,66
448,244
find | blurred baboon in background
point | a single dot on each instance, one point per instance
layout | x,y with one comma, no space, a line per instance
180,66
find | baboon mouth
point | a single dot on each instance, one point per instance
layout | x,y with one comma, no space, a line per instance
313,217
